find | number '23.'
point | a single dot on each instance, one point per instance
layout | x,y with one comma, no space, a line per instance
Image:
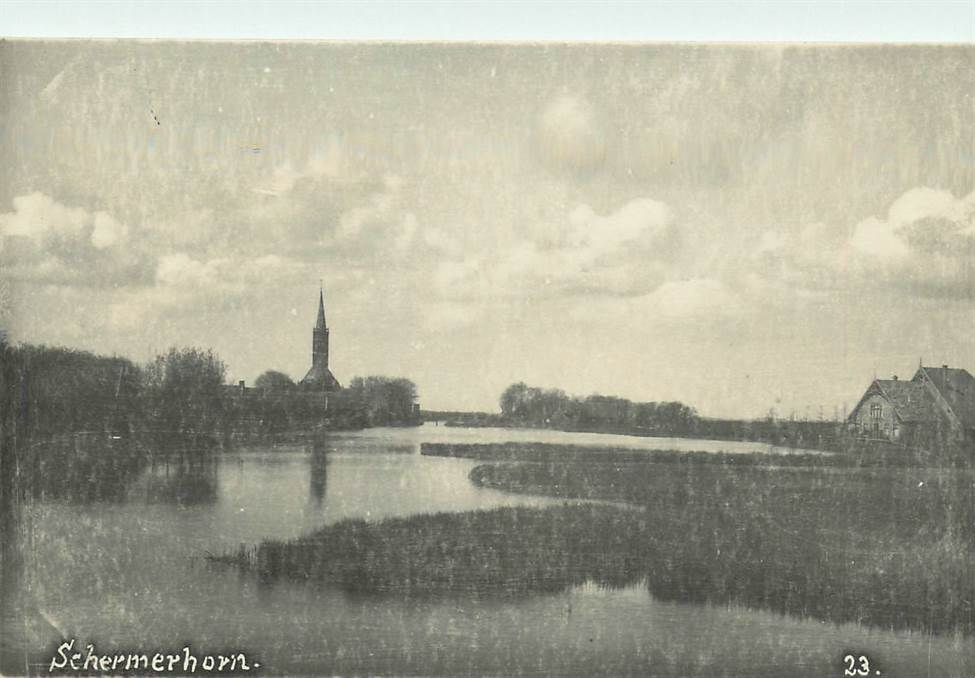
856,666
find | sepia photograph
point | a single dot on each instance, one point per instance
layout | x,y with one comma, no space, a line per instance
487,358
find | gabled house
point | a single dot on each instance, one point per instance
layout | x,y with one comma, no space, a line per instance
938,403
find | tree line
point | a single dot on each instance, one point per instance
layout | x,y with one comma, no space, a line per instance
180,392
554,408
524,405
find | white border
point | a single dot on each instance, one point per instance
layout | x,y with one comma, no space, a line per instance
502,20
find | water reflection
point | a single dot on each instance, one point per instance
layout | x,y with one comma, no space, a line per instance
87,468
318,470
185,486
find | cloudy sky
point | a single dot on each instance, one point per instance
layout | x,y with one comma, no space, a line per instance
737,228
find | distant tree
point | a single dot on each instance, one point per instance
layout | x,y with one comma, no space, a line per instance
272,380
384,400
184,392
514,400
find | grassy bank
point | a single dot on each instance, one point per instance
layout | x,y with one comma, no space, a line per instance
504,551
891,548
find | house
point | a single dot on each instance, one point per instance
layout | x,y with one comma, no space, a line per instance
938,403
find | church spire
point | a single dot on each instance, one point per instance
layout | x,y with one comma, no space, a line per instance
320,325
319,377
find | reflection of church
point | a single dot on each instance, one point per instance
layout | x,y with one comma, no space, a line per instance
319,377
318,470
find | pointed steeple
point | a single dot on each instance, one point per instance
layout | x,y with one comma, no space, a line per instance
319,376
320,324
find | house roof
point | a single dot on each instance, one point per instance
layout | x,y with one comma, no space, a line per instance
957,387
911,401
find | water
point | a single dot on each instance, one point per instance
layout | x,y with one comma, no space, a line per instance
130,575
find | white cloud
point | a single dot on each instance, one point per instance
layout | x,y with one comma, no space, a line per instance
914,220
225,274
924,245
328,163
922,203
623,253
570,134
639,221
693,297
38,216
879,239
43,240
384,206
181,269
107,231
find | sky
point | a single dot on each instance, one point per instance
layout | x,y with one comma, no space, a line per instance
738,228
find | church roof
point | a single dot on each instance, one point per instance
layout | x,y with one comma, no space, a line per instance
957,387
320,377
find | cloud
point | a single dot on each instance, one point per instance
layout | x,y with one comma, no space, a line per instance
924,245
626,252
383,207
41,218
327,163
107,231
698,300
447,316
570,135
181,269
226,274
921,219
693,297
43,240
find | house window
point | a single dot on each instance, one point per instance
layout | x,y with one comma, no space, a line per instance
877,411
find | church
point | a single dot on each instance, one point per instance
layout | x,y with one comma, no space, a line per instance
320,377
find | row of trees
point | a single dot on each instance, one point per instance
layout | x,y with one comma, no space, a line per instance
523,405
181,392
529,405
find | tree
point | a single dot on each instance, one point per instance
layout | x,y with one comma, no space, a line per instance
514,400
67,390
272,380
384,400
184,391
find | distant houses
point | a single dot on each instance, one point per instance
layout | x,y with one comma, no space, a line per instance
936,405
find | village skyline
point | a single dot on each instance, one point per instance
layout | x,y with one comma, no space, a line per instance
735,228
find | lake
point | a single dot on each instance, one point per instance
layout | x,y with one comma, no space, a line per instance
131,574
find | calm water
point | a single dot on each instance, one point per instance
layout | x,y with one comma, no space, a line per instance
130,575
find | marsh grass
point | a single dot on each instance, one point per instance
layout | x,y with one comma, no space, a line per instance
500,552
891,547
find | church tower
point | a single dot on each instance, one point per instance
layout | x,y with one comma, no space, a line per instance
319,377
319,335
